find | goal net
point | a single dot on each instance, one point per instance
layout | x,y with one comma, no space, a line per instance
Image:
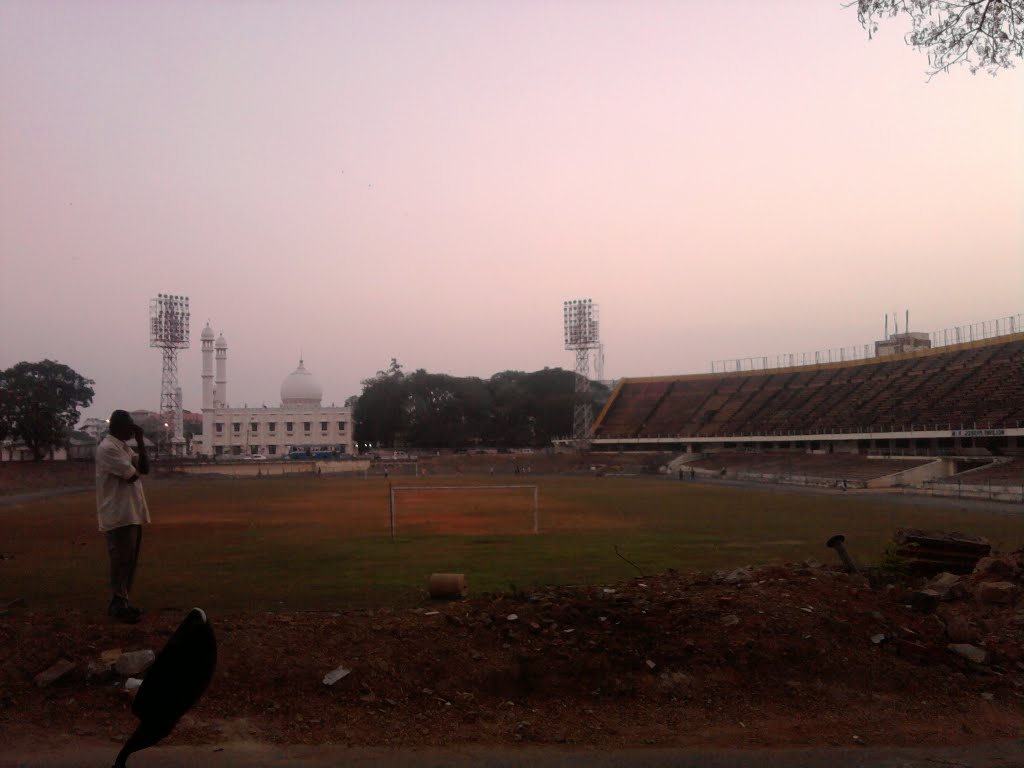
465,509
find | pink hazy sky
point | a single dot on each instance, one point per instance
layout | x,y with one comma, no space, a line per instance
430,180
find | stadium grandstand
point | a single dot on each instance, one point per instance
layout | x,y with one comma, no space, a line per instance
916,395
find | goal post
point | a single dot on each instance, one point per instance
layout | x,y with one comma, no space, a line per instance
393,491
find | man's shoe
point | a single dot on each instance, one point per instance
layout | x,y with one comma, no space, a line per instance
124,612
125,616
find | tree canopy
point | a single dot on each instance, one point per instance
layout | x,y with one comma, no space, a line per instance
40,402
983,34
434,410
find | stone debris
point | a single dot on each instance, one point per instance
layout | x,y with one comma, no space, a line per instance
969,652
947,585
739,576
134,662
998,592
335,675
996,567
730,620
54,673
926,553
958,630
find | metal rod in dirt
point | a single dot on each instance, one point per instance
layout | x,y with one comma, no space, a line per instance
837,543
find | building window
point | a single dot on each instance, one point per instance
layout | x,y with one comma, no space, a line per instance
272,427
254,449
254,427
236,450
323,426
220,427
272,450
341,426
219,450
306,426
237,427
289,426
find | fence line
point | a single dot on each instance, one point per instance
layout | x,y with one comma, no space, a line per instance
959,334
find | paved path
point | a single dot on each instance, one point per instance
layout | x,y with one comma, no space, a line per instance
886,495
1004,754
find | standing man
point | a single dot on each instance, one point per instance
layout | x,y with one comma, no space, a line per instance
121,507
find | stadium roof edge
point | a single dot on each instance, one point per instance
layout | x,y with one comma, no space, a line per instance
1005,339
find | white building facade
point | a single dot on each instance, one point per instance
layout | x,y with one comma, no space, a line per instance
301,423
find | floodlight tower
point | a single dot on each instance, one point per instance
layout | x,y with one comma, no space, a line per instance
169,332
582,335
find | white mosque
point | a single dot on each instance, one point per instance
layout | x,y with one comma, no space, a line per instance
301,423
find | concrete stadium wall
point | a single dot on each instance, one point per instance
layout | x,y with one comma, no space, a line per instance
275,468
763,477
916,475
1012,493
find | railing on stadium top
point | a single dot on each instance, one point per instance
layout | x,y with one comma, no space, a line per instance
986,329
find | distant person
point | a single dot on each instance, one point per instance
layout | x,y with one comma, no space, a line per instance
121,507
693,473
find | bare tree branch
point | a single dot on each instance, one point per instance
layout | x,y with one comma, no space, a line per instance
983,34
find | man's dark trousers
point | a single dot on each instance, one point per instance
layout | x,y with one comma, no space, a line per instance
123,546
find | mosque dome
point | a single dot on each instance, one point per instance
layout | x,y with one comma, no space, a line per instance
221,342
301,388
207,333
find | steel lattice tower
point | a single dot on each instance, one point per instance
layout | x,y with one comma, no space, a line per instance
582,335
169,332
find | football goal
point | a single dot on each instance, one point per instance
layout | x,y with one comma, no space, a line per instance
465,508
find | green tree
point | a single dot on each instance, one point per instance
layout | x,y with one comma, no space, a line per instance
380,412
983,34
434,410
40,402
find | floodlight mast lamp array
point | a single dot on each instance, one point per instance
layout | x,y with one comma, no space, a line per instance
582,332
169,331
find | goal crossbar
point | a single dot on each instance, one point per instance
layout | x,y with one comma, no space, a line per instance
536,497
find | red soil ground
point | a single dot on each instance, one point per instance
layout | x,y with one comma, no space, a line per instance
782,659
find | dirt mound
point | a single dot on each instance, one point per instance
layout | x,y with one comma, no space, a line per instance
783,655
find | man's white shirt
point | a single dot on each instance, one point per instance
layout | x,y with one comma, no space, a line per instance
118,502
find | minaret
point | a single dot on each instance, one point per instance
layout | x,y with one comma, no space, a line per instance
220,399
207,338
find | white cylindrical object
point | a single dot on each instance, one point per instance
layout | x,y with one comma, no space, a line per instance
221,393
207,370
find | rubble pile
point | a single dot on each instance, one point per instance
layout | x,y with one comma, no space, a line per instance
931,552
800,654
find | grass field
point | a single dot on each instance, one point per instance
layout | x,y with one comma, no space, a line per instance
308,543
